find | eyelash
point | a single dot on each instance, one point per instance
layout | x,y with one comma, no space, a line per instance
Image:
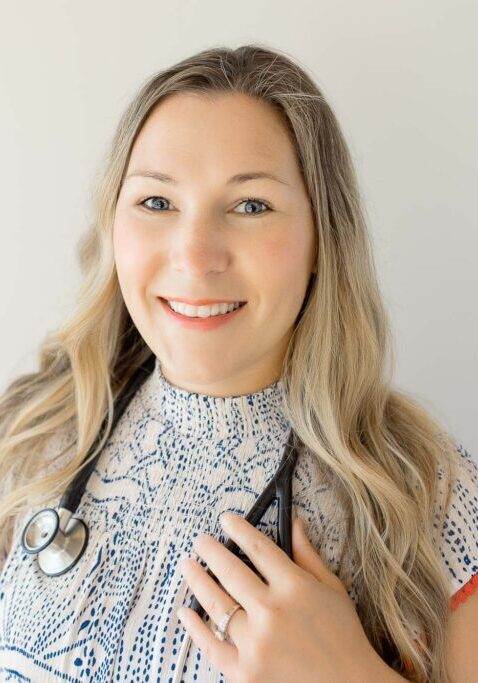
248,199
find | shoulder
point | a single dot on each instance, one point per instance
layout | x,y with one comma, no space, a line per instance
459,552
457,537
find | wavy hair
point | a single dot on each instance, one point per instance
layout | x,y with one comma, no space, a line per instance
385,451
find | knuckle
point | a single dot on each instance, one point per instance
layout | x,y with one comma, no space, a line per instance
295,584
257,547
268,619
262,610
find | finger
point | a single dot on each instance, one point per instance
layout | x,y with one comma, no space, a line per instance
271,561
306,556
235,576
213,598
219,653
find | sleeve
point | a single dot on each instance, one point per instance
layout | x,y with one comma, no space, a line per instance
458,544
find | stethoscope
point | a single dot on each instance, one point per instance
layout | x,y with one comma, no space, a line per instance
59,539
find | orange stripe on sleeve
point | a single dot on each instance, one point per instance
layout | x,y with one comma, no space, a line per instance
465,591
455,601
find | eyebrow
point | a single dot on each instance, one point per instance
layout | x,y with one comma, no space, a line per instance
233,180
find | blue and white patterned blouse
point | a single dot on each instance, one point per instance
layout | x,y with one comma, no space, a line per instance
175,461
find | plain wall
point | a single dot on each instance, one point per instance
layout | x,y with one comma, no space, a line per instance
401,78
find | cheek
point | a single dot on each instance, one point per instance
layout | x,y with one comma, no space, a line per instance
284,261
130,251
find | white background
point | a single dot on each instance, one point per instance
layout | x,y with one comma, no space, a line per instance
401,78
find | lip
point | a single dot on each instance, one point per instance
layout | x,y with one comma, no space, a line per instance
200,323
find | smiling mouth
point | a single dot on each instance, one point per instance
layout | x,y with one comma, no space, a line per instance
198,317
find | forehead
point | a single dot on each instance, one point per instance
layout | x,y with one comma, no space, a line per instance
229,129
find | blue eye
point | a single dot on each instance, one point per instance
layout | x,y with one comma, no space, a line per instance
251,200
143,203
243,201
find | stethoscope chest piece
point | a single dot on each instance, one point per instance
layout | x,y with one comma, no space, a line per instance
57,551
58,538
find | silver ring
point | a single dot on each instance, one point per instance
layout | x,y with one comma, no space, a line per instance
221,631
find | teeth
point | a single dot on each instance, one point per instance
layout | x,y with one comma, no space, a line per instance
202,311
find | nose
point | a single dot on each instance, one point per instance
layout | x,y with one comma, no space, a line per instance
199,247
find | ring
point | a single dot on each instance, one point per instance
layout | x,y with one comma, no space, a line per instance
221,631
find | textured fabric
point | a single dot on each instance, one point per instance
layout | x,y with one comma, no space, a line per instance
175,461
459,536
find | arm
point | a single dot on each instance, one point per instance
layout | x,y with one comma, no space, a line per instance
462,649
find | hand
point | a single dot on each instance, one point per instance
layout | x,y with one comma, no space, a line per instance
302,625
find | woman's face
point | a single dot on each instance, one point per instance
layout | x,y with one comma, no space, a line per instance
207,236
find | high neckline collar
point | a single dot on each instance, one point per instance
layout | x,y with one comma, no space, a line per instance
201,415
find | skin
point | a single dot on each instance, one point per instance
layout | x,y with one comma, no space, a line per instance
202,244
301,625
203,241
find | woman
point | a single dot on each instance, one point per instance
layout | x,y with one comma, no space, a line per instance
229,180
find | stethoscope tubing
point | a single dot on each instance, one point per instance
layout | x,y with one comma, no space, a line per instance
280,487
72,496
62,521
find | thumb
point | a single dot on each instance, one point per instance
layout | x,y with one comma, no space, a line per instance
305,555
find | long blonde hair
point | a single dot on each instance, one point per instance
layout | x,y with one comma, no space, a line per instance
384,449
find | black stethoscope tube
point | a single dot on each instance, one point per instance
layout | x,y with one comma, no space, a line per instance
68,535
59,539
72,496
279,487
